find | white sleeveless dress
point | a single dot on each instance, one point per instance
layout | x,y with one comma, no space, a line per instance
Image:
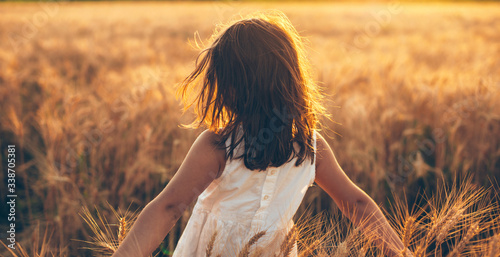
241,203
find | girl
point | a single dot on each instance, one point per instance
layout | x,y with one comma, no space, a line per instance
250,169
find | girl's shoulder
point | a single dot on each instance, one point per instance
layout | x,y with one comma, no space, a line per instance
322,147
209,141
209,137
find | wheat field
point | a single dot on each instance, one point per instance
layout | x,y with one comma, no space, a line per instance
87,95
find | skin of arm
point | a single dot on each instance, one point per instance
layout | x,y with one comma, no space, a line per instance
354,202
203,163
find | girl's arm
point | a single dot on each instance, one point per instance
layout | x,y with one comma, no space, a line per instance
202,165
353,202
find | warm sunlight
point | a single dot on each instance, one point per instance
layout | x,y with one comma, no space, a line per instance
91,129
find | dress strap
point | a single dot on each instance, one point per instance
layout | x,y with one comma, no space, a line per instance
314,146
313,168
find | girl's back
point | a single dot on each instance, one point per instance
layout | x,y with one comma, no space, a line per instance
242,203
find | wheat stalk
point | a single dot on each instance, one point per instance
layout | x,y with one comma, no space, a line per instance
253,240
458,249
210,245
288,242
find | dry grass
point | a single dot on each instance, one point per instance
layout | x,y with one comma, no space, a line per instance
87,97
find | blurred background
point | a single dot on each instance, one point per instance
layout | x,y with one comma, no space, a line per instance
87,96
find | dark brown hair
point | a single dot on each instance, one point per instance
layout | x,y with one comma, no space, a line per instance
255,77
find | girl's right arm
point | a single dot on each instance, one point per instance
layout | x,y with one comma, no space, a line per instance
202,165
353,202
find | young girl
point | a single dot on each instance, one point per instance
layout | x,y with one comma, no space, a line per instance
250,169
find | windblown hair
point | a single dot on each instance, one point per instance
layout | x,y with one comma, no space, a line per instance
255,77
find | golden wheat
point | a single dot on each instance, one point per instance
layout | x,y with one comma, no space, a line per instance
449,221
288,242
407,234
211,244
459,248
252,241
87,96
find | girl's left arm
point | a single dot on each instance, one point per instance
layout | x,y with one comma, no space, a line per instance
353,202
202,165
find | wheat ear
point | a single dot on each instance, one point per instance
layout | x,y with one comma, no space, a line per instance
210,245
407,233
246,249
453,219
288,242
473,230
122,229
